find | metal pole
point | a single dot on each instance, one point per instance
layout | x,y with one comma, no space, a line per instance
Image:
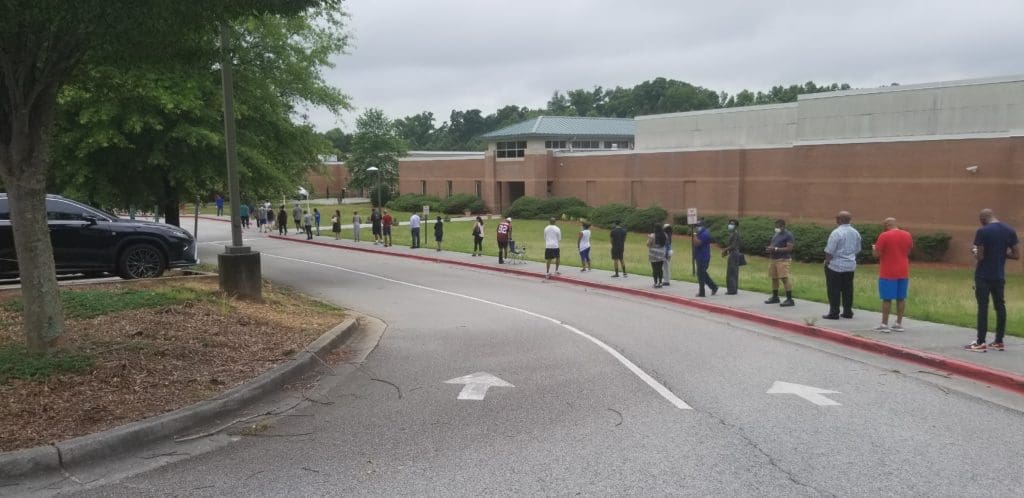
195,229
379,206
229,137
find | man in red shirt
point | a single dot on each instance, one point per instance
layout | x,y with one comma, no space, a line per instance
385,224
504,235
893,252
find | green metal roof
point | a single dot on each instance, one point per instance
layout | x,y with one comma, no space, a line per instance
566,127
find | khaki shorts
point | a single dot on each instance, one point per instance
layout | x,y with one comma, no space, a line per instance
778,268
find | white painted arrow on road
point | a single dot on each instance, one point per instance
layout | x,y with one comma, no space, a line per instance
812,394
477,385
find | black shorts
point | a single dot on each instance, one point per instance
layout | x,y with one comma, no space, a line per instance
552,253
375,229
617,252
502,244
387,230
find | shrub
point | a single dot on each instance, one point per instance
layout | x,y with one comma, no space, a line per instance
382,192
460,203
579,213
642,220
527,208
930,246
413,203
605,216
532,208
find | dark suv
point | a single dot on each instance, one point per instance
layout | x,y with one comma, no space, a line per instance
91,241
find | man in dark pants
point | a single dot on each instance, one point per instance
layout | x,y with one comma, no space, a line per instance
994,243
504,232
840,264
702,255
618,237
733,255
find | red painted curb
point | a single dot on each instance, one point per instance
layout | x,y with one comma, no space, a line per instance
999,378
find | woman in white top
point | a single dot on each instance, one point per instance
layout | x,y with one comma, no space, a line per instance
583,243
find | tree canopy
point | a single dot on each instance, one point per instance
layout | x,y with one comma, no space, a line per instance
375,144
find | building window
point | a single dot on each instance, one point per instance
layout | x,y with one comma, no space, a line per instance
617,144
586,144
449,188
423,187
551,188
554,144
479,188
511,149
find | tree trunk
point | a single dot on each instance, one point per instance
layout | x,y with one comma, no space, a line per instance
172,212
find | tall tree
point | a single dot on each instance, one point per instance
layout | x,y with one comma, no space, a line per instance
417,130
375,144
43,45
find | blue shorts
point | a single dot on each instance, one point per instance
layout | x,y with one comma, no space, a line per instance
893,288
585,255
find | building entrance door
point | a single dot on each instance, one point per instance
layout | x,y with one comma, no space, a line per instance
515,191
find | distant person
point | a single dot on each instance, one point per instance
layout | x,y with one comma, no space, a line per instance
840,264
780,255
478,237
261,218
385,227
375,220
316,220
892,248
994,243
297,217
336,224
583,245
243,214
552,238
734,258
656,254
618,237
504,232
414,230
438,232
219,201
357,225
666,269
282,221
269,225
307,224
702,256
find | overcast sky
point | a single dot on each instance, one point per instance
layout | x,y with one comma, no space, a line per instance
409,56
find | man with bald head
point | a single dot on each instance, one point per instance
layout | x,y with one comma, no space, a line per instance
994,243
892,248
840,263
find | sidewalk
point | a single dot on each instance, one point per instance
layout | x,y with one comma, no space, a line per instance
935,345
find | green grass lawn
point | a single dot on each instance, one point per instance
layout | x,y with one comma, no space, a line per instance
937,294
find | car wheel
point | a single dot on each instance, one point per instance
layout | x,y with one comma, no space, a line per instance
141,261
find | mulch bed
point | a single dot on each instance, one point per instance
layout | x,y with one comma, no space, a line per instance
155,360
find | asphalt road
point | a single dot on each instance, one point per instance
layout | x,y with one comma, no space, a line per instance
613,395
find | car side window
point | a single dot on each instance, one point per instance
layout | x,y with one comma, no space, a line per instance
58,210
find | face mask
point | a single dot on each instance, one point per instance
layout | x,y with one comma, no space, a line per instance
778,230
732,227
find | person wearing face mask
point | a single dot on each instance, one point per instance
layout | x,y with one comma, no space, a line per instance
733,263
780,254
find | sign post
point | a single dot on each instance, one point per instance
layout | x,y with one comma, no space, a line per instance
691,219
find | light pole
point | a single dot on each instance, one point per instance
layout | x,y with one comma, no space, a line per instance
374,168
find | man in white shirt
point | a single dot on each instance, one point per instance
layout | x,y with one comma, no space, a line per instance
414,227
552,236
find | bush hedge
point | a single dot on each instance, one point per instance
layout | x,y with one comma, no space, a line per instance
460,203
643,220
413,203
605,216
533,208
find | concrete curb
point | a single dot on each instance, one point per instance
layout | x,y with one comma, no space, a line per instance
998,378
132,436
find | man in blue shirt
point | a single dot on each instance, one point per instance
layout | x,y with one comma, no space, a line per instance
702,255
994,243
840,263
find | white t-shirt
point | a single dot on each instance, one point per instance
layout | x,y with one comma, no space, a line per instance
585,239
414,222
552,235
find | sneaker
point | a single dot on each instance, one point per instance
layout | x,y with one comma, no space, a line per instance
897,327
998,346
624,275
976,347
773,300
615,276
787,303
666,284
714,291
883,328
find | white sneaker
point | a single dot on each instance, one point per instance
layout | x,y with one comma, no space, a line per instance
882,328
897,327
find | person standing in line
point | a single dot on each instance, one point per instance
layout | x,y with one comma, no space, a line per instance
780,255
414,230
297,218
504,235
734,257
282,221
892,248
316,220
994,243
656,254
478,237
243,214
375,220
552,238
439,232
269,225
618,237
307,224
666,269
583,244
385,227
357,225
702,256
336,224
840,264
219,201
